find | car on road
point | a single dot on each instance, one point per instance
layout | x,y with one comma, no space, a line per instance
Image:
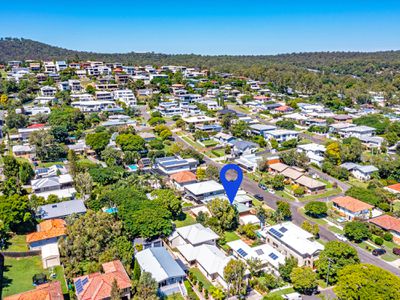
262,186
341,237
378,252
271,191
259,197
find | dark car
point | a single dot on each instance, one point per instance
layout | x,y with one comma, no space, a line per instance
259,197
262,186
378,252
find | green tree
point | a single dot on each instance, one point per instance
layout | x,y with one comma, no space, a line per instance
304,280
60,133
332,153
335,256
98,141
286,269
167,199
278,182
14,211
115,291
84,184
283,210
136,271
72,162
364,282
11,166
223,215
212,172
112,156
356,231
26,172
146,288
234,276
240,129
130,142
316,208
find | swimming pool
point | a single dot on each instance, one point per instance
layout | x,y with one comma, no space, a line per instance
111,210
133,168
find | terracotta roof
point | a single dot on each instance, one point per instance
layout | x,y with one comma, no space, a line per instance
351,204
395,187
99,284
387,222
47,229
184,176
36,126
47,291
283,108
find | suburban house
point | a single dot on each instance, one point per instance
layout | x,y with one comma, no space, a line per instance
25,151
394,188
164,269
390,224
61,186
357,131
292,174
180,179
125,96
360,172
170,165
351,208
194,235
98,285
244,147
46,291
61,209
224,138
311,185
261,129
210,260
291,240
51,171
270,257
204,191
277,168
281,135
314,152
249,162
48,232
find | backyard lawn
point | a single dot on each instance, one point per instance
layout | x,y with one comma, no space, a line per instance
200,277
17,243
49,164
188,220
231,236
282,292
327,194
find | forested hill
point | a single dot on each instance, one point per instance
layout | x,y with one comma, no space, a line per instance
339,62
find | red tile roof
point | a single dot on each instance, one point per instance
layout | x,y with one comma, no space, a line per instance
387,222
395,187
184,176
99,284
36,126
47,229
351,204
47,291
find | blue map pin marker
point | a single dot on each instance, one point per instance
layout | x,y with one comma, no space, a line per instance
231,187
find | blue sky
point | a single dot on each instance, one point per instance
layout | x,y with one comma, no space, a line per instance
206,27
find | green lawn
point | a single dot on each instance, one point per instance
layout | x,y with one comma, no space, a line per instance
285,195
231,236
335,229
200,277
60,277
282,292
319,221
209,143
175,296
17,243
18,274
355,182
218,152
188,220
396,206
328,193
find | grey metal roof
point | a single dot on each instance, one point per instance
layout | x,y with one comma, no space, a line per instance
61,209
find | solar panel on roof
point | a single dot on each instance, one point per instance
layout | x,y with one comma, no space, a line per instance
276,233
242,252
283,229
273,255
259,252
78,286
84,281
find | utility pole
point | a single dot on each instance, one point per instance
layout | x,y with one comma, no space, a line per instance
329,266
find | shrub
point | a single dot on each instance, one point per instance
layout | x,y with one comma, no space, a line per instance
378,241
396,251
388,237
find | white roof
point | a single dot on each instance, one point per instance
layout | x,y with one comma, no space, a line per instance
358,129
64,193
249,219
264,252
197,234
65,178
21,148
294,237
49,250
312,147
211,259
196,119
204,187
282,132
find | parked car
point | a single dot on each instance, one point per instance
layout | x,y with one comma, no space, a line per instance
341,237
262,186
378,252
271,191
259,197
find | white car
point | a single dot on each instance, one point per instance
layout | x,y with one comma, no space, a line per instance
341,237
